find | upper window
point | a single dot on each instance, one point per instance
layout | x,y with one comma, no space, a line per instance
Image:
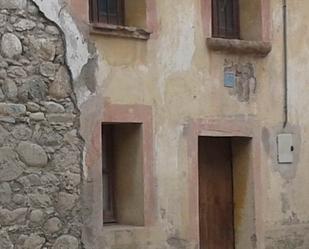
119,12
107,11
237,26
122,18
225,19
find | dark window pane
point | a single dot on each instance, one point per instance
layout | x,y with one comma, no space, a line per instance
112,7
229,16
106,194
102,4
107,11
222,15
225,18
107,173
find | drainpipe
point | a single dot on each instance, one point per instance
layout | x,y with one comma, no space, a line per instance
285,62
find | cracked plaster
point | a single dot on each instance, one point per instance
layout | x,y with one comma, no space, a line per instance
77,53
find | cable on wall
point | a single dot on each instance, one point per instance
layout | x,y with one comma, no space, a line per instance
285,62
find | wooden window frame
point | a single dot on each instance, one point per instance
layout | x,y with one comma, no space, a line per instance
221,30
97,18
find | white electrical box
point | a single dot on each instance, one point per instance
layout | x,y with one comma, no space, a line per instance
285,148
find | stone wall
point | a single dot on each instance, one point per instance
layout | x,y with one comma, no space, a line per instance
40,146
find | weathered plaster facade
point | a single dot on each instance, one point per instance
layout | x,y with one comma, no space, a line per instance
59,81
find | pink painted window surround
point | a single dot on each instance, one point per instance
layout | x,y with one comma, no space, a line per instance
138,115
93,185
80,9
264,16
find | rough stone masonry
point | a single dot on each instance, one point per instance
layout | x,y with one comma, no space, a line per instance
40,149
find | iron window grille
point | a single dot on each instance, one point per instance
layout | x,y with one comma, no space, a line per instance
225,19
107,11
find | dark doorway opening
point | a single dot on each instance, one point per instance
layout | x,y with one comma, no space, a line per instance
216,193
226,200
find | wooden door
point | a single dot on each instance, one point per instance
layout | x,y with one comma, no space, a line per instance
216,193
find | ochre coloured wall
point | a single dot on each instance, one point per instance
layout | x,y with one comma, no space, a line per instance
181,80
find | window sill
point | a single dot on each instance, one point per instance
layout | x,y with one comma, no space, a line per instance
118,227
235,46
119,31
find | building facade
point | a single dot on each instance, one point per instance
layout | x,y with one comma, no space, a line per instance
153,124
